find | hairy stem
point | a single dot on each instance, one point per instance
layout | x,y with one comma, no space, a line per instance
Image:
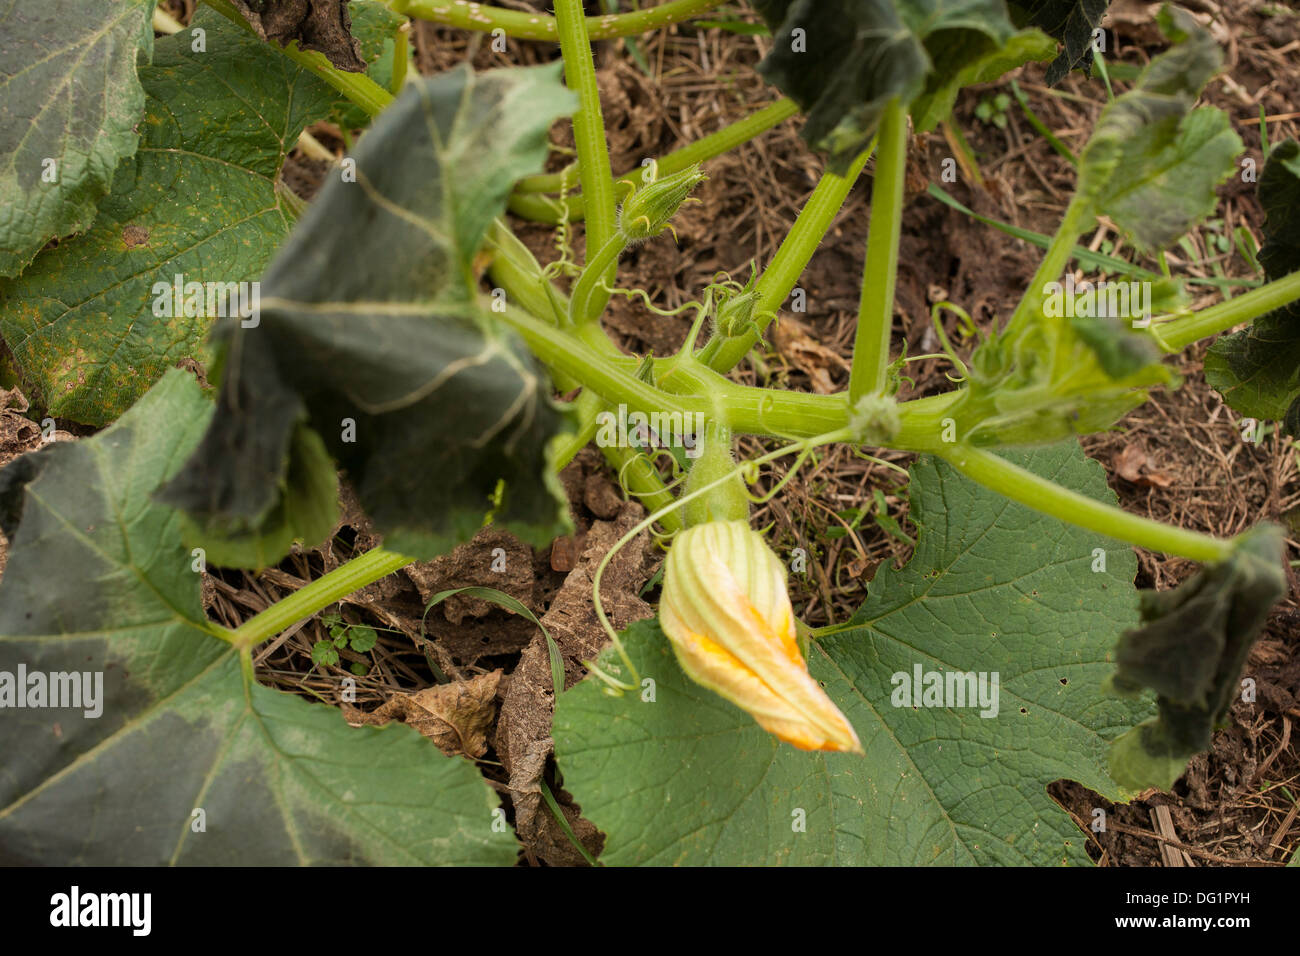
538,26
319,594
1177,334
594,171
876,308
1023,486
528,202
782,273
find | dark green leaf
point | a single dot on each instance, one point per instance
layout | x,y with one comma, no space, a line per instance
69,96
934,106
372,335
1072,22
197,200
1153,161
687,778
1257,370
98,583
1190,650
843,61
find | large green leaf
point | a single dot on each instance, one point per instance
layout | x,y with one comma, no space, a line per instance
372,335
1070,21
97,582
69,103
1257,370
1153,161
198,200
843,61
992,587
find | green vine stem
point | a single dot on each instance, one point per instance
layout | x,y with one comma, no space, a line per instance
589,293
319,594
876,309
357,87
538,26
1023,486
783,272
528,202
1176,334
594,171
1057,257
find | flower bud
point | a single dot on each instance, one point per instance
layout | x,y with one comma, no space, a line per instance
736,315
646,212
727,614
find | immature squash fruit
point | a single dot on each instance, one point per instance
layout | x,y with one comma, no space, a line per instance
726,611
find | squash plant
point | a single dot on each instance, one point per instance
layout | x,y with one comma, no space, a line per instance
402,333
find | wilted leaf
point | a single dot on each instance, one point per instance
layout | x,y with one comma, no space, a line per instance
374,26
456,716
842,61
1190,650
98,584
1257,370
321,25
1153,161
432,405
992,588
1070,21
69,97
197,200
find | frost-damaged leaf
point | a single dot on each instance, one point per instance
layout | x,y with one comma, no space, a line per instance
1072,22
1190,650
1257,370
70,100
321,25
433,406
842,61
993,587
197,200
1153,161
374,25
98,583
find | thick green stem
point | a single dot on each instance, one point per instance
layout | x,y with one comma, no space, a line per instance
1059,253
1029,489
538,26
1177,334
876,309
357,87
594,171
589,293
782,274
321,593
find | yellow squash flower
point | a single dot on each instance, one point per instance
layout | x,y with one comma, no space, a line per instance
726,611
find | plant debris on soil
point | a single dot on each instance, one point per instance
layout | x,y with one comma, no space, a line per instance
477,679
